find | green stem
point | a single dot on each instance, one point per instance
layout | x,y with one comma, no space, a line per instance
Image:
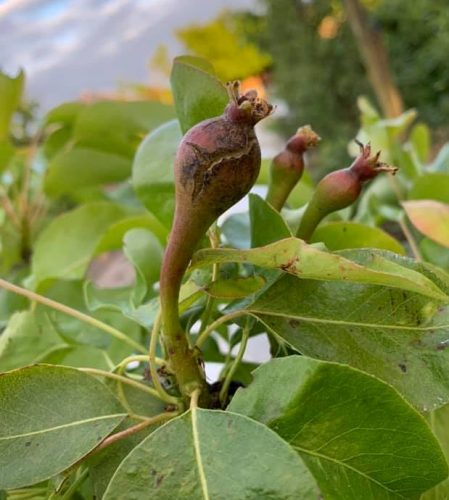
309,221
214,239
134,430
138,357
72,312
226,383
68,495
152,362
123,380
213,326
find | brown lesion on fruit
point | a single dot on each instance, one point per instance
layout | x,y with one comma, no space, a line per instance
205,164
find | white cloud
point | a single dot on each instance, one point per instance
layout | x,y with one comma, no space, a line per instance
68,46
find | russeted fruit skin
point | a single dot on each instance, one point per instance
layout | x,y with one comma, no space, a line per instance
340,189
217,163
287,167
218,160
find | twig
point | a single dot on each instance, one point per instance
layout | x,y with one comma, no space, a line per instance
213,326
410,239
133,430
124,380
227,381
72,312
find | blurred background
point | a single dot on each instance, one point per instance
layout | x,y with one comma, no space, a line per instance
314,57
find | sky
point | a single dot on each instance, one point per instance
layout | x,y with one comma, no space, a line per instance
70,46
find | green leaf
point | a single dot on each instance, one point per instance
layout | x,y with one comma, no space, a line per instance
64,114
103,465
10,95
341,235
79,356
118,126
295,257
421,140
51,417
29,338
432,186
235,288
441,162
114,234
267,224
434,253
439,423
66,246
145,253
431,218
152,174
399,336
237,230
197,92
208,454
6,154
77,168
357,435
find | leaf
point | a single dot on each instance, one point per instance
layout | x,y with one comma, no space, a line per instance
399,336
10,95
197,92
267,224
421,140
77,168
51,417
28,338
295,257
114,234
434,253
430,187
103,465
357,435
341,235
441,162
211,455
64,114
118,126
439,423
145,253
66,246
235,288
431,218
153,174
237,230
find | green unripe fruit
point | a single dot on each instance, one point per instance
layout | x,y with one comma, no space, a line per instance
288,166
340,189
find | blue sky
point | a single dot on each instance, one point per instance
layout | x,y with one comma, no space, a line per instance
69,46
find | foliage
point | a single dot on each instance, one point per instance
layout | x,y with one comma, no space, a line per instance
305,37
225,41
355,398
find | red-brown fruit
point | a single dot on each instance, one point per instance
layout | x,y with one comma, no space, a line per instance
340,189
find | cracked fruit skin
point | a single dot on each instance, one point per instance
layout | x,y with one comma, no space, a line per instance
219,159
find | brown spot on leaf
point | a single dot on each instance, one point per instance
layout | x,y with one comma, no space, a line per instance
288,267
294,323
403,367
